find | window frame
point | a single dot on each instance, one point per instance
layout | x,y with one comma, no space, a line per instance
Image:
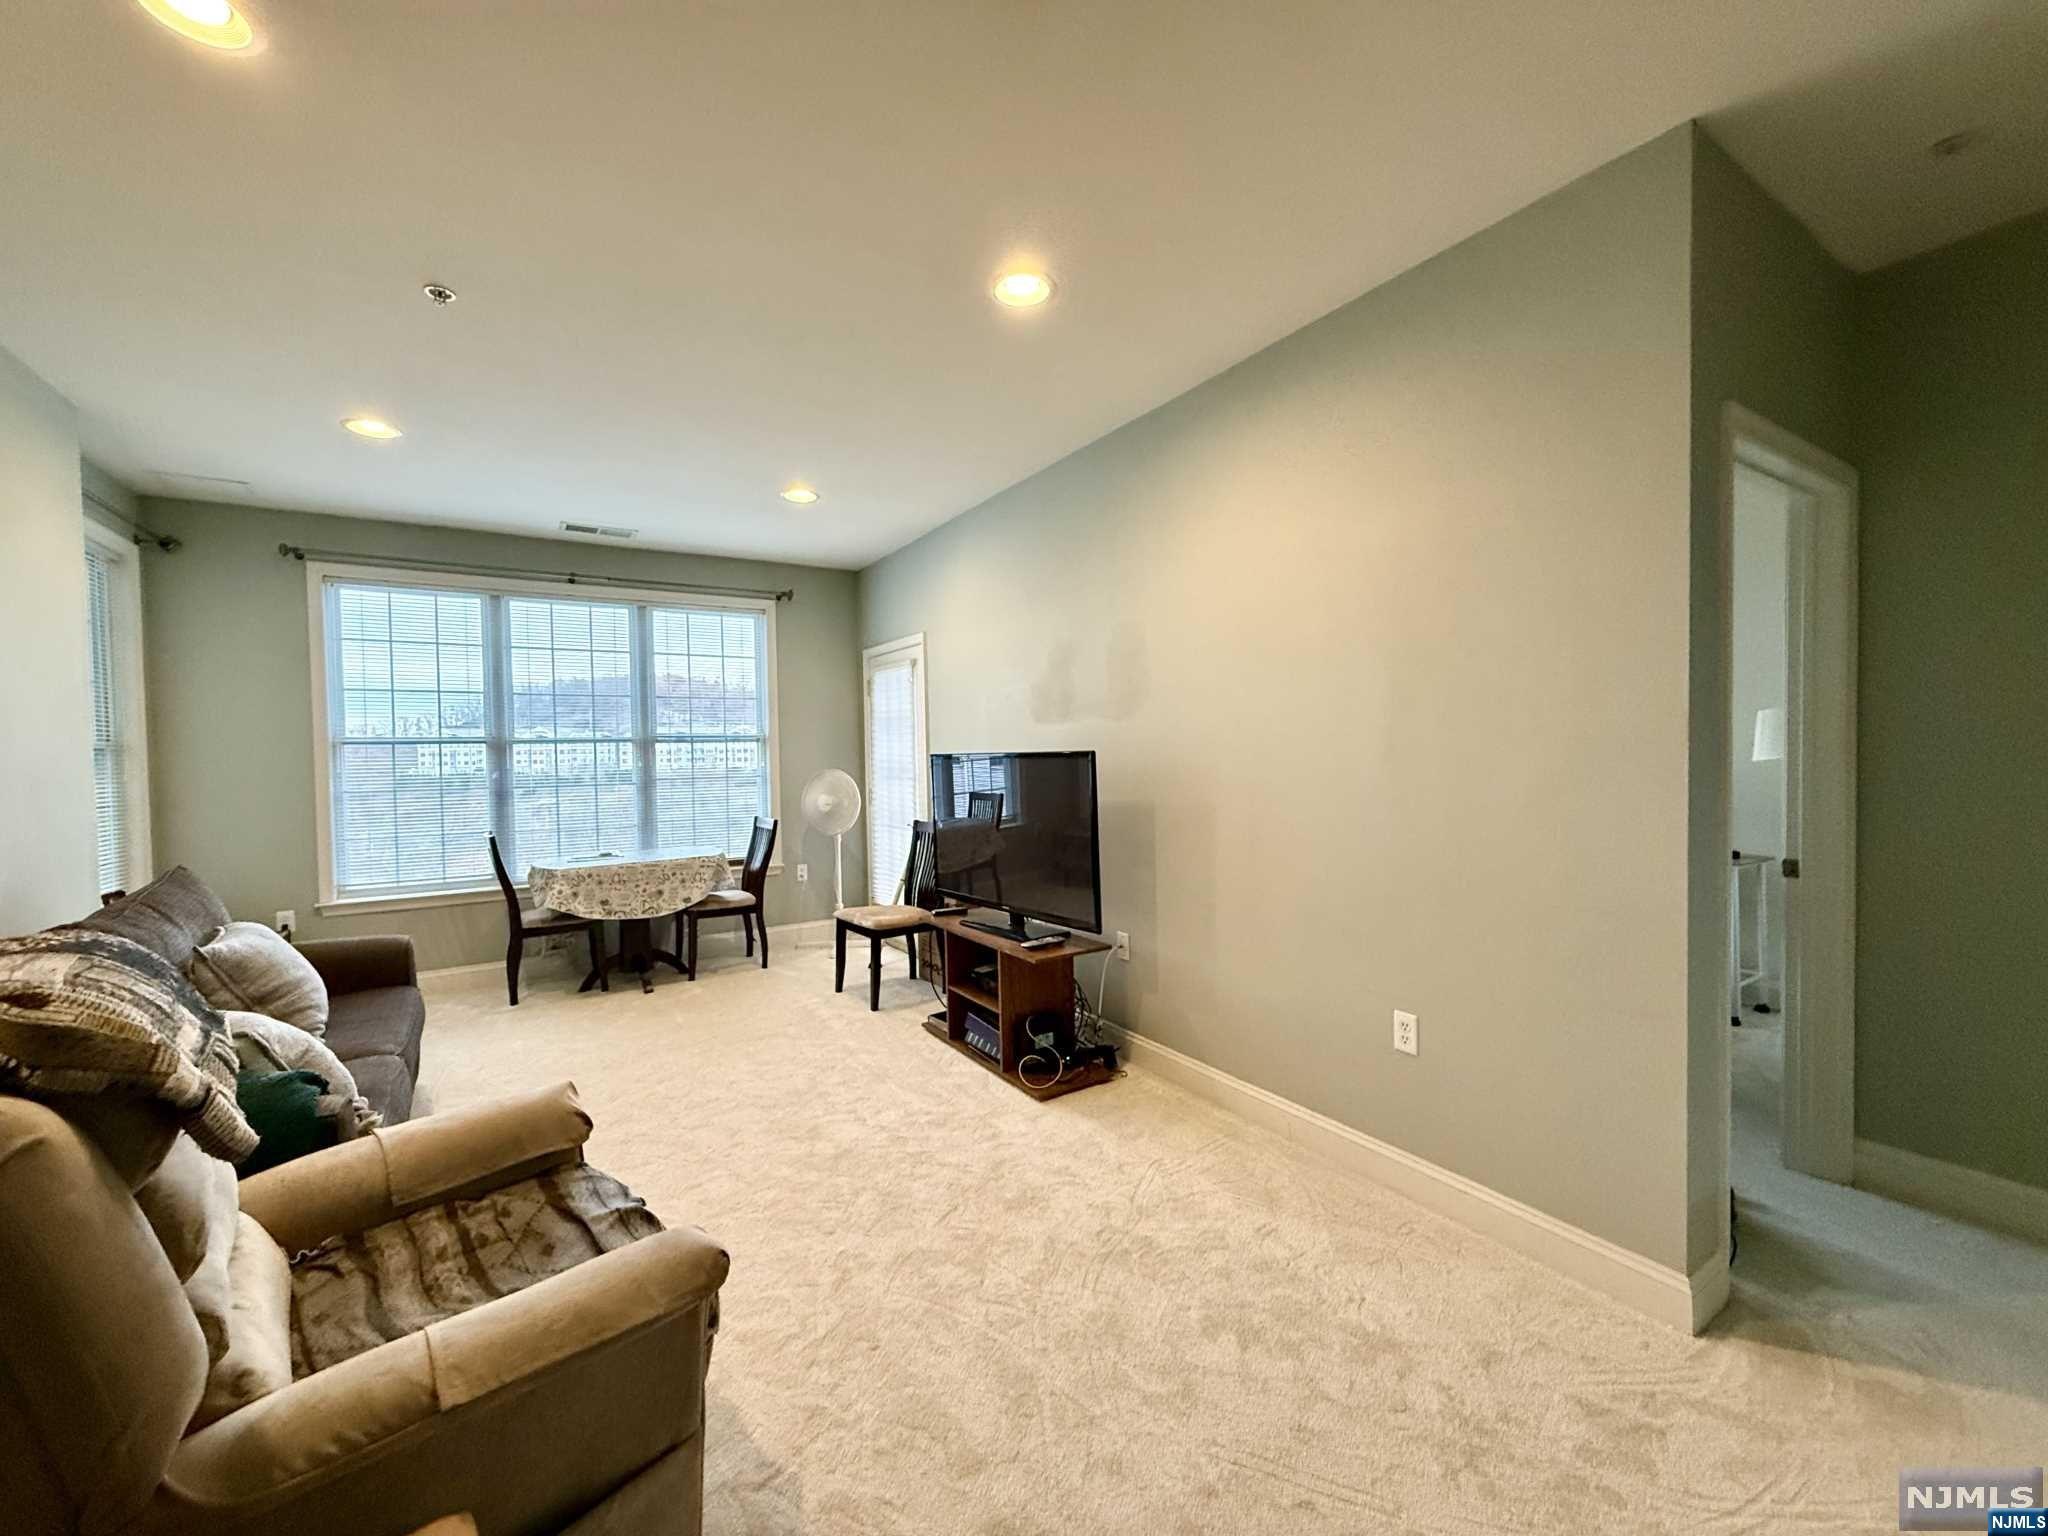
131,707
319,573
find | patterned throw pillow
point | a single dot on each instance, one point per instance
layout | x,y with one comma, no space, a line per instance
91,1019
247,966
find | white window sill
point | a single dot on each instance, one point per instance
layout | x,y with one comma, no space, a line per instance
349,906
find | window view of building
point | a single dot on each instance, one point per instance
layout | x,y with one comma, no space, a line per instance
570,727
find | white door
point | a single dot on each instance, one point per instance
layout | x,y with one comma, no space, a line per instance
1818,872
898,790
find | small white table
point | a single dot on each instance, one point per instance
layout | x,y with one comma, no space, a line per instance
633,890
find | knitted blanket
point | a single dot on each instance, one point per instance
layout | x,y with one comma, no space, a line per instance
353,1293
84,1012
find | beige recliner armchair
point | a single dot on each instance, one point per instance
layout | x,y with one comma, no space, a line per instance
572,1405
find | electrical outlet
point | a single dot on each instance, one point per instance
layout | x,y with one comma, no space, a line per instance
1407,1033
287,922
803,874
1123,946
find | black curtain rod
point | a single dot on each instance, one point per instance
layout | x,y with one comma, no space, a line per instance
572,578
136,532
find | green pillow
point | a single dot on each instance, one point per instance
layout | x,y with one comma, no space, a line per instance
283,1109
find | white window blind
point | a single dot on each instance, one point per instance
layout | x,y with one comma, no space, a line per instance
112,832
892,774
569,726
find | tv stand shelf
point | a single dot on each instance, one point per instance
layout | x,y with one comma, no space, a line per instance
1028,981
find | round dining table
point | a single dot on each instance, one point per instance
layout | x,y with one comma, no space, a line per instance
632,890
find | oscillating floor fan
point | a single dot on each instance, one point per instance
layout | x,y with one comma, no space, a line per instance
831,804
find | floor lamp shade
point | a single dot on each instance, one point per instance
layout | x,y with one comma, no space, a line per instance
1769,745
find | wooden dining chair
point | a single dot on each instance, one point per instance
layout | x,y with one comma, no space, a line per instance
908,920
748,903
523,923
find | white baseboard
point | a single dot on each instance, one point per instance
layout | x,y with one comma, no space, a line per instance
468,970
1953,1190
805,935
726,939
1687,1302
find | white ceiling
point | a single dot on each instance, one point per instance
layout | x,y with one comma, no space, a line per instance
705,249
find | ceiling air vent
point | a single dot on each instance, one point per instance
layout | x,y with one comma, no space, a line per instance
600,530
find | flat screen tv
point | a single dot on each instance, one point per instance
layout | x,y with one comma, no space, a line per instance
1016,831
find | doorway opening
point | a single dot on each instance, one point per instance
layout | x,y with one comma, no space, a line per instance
1792,801
898,788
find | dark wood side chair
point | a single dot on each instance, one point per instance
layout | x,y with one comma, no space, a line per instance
906,921
747,903
523,923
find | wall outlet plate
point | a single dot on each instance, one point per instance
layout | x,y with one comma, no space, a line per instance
1123,946
803,874
1407,1033
287,922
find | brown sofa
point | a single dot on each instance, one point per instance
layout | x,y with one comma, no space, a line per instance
574,1405
375,1013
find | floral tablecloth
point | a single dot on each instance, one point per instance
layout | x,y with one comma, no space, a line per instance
640,885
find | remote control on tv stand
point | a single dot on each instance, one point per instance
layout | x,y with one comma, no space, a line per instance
1048,942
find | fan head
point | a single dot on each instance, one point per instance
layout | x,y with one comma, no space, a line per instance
831,801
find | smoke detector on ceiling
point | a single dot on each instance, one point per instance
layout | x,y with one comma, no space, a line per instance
601,530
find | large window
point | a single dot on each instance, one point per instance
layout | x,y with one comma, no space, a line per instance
120,757
570,726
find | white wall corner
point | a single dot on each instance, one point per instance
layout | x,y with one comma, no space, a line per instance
1686,1302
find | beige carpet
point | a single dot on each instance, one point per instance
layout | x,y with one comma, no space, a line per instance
954,1310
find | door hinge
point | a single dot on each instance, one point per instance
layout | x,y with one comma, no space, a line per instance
1789,868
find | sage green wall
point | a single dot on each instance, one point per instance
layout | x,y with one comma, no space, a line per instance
46,818
1382,639
231,731
1770,331
1952,887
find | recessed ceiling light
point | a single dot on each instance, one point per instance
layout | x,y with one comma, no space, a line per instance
440,293
802,495
215,23
372,426
1021,289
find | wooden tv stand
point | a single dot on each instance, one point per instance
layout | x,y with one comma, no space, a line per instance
1028,981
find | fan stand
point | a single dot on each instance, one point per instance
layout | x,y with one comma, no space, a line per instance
838,870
